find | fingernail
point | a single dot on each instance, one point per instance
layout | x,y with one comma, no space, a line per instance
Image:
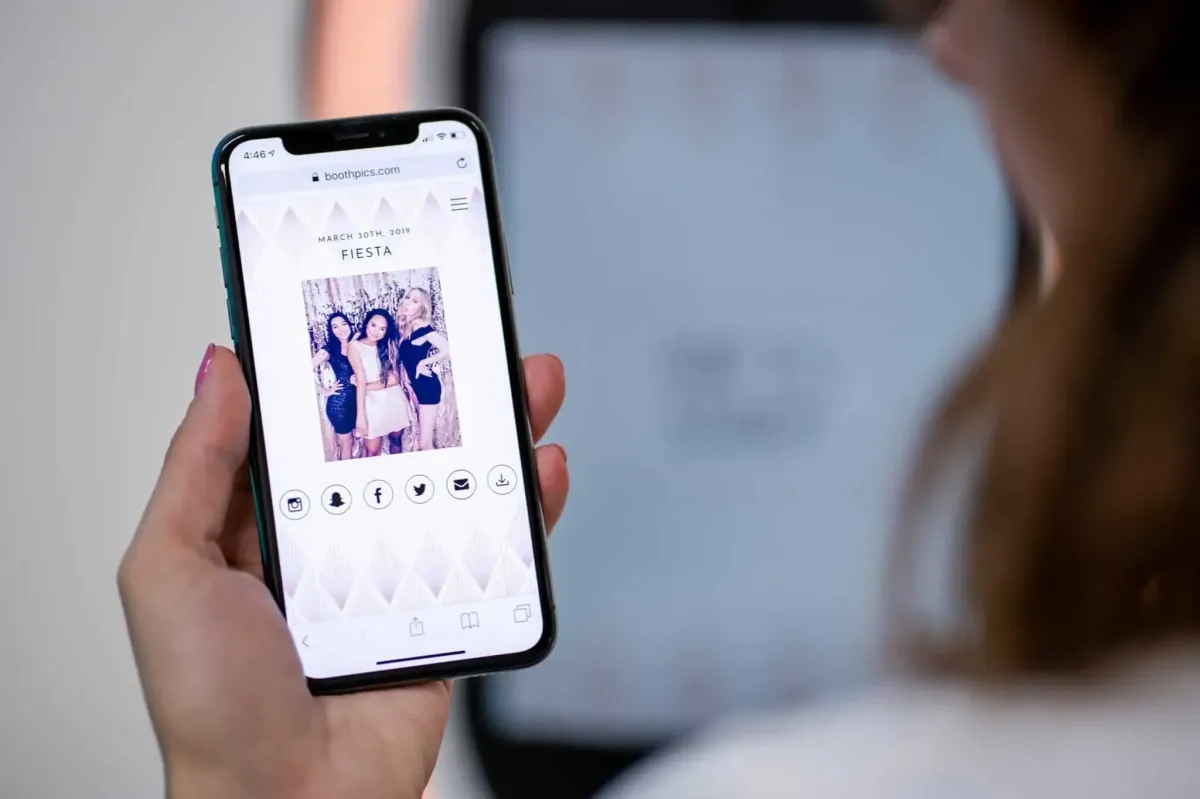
561,451
202,372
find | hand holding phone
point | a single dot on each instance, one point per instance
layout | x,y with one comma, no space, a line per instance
224,684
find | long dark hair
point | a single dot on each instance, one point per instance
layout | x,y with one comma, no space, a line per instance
388,347
333,345
1084,537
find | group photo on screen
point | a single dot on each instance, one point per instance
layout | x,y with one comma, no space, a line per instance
381,364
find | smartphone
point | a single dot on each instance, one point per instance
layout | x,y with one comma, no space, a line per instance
392,461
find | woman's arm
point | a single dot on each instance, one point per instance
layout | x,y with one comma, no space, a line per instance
321,357
441,351
408,389
356,365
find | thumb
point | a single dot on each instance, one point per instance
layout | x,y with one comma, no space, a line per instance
206,455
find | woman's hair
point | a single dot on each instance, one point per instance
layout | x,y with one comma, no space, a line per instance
1083,539
333,344
426,312
388,347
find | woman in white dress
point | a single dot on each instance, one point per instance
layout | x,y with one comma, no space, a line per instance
383,410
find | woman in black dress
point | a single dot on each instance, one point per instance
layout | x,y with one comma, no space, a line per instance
421,346
341,403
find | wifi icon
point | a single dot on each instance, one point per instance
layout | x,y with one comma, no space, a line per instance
441,135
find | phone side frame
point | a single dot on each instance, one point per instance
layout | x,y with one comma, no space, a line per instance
240,332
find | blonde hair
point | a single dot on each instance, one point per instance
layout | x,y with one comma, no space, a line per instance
426,315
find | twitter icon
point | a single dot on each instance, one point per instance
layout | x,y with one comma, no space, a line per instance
419,489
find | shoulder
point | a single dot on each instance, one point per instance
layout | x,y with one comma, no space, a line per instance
1108,739
852,751
427,333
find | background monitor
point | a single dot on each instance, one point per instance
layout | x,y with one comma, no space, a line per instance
761,250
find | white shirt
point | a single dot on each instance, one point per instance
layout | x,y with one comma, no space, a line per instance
1133,735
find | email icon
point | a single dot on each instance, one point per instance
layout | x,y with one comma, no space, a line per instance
461,484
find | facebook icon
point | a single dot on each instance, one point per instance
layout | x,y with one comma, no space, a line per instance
378,494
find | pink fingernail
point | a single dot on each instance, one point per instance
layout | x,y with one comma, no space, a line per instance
202,372
561,451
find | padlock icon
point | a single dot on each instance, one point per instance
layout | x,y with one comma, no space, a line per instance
316,178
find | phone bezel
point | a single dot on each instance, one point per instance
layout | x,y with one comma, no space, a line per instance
240,331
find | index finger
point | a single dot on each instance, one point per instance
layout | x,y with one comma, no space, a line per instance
205,456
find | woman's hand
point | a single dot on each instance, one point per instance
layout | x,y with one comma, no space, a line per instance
424,368
223,683
360,426
335,389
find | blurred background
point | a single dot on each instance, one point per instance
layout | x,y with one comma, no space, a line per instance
734,221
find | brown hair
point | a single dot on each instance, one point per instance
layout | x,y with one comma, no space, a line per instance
1084,533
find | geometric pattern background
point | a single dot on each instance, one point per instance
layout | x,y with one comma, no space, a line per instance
407,572
284,231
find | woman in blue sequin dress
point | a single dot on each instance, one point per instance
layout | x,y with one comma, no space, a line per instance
341,398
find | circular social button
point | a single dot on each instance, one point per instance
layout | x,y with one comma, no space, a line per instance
336,499
502,479
378,494
419,489
461,484
294,505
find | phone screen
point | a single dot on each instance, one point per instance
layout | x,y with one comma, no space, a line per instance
392,434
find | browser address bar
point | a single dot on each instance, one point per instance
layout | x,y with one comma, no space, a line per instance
352,174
